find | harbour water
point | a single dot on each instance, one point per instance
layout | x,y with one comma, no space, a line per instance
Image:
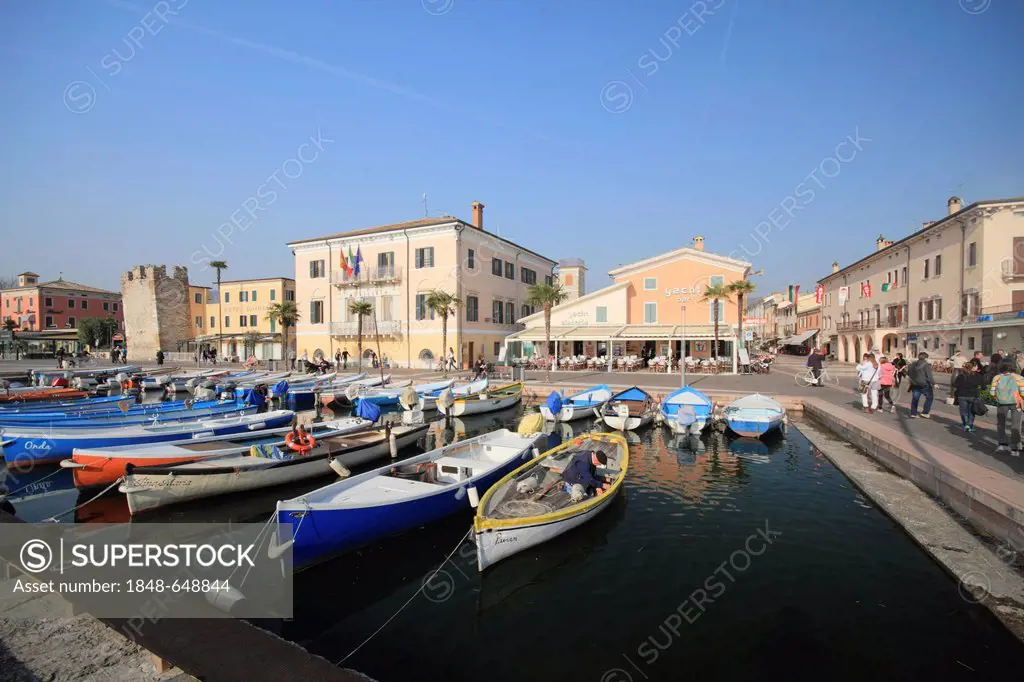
737,560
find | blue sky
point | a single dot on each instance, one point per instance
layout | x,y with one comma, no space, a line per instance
120,152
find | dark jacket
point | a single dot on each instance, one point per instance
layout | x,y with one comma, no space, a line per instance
920,374
814,361
581,470
968,385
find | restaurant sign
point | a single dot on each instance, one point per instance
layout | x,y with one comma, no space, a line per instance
682,290
579,319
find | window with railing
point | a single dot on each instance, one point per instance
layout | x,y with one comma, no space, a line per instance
425,257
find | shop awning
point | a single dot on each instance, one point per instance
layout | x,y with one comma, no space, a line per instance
623,332
799,339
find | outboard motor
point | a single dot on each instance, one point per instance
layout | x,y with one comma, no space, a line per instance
113,386
204,393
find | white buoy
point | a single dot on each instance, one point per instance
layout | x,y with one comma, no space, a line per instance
224,600
474,497
392,444
339,468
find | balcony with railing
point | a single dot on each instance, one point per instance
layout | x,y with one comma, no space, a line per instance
998,312
383,327
870,325
367,275
1013,269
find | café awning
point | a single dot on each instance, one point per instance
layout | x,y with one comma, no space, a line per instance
799,339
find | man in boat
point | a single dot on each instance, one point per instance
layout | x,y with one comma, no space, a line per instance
582,470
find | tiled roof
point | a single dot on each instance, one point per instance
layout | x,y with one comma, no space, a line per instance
74,286
422,222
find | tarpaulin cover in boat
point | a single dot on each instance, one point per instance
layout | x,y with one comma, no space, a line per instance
254,398
554,402
368,410
280,388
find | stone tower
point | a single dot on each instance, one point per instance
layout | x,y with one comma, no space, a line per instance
572,277
156,311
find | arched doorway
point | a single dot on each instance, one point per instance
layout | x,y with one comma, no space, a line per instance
890,342
426,358
856,349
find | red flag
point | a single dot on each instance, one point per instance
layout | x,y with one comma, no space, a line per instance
344,263
819,294
796,299
865,289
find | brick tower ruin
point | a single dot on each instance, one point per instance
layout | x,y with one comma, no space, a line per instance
156,309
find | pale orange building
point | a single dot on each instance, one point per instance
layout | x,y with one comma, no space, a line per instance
654,306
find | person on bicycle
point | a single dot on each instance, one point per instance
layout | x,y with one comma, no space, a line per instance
815,362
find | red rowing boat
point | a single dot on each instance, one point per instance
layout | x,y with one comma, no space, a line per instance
42,394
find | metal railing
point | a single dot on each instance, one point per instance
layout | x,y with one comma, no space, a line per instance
871,324
1012,269
369,328
367,275
1000,311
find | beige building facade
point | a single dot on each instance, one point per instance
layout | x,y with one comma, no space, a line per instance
955,285
399,265
237,323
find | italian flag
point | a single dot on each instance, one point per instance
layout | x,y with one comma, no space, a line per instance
886,286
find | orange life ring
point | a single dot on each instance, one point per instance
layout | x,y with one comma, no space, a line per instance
301,448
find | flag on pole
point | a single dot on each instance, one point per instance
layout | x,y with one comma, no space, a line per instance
819,294
865,289
886,286
359,259
844,293
791,293
351,261
796,299
344,263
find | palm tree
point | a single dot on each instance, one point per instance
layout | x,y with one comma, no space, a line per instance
547,296
359,308
287,315
716,293
443,304
741,287
219,265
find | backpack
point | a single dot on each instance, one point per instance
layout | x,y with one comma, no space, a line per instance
1006,388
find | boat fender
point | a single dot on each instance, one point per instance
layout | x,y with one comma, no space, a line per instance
392,442
224,600
256,426
202,434
352,392
474,496
69,464
446,399
339,468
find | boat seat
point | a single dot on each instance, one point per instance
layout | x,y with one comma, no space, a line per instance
465,463
636,407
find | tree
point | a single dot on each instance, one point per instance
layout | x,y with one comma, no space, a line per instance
360,309
88,331
715,294
287,315
10,325
443,304
107,329
742,288
219,265
547,296
249,341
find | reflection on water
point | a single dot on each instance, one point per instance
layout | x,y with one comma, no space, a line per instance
841,593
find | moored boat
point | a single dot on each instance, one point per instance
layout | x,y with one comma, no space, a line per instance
394,499
532,504
104,465
428,401
489,400
40,445
40,394
577,406
628,410
686,411
258,466
148,414
754,415
392,395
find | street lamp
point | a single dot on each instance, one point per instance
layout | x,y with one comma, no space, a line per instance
682,345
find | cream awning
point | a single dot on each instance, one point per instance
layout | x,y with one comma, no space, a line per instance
623,333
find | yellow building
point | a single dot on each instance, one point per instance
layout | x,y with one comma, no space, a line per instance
244,328
200,322
399,265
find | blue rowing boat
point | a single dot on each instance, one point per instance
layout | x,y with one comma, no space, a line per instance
754,415
394,499
41,445
558,408
119,419
686,411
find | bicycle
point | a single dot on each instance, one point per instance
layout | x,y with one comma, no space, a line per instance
807,378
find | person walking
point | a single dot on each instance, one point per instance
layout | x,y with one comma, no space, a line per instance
291,358
967,392
304,367
344,359
1007,388
922,385
978,361
451,359
900,363
867,374
886,381
159,357
337,359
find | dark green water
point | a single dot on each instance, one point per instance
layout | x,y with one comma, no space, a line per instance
676,580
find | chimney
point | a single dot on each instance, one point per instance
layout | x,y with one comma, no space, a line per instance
927,223
698,243
835,266
478,215
880,243
953,205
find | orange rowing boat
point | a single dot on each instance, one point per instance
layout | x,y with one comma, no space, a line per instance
42,394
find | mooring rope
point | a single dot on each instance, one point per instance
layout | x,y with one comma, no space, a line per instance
90,500
34,483
409,601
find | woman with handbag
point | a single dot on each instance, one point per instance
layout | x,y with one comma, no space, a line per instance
967,391
869,382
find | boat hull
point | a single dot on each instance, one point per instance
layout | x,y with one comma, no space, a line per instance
493,545
620,423
753,427
322,533
148,491
463,408
570,413
680,428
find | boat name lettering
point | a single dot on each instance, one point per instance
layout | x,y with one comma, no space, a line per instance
504,539
32,445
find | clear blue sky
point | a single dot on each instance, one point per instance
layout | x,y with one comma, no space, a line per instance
502,101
